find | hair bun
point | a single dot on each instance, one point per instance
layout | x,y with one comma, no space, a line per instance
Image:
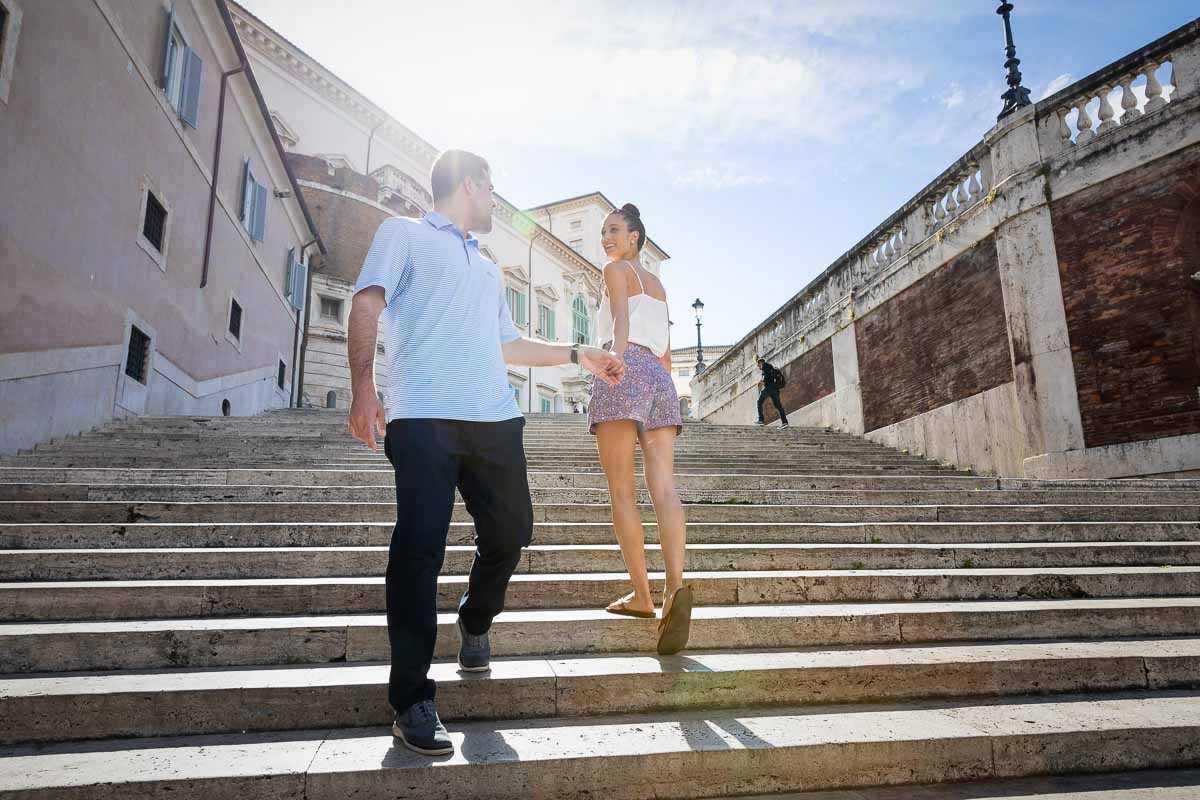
632,210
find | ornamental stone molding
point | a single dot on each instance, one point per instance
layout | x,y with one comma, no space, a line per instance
274,48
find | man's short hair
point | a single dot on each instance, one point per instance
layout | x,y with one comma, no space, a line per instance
450,169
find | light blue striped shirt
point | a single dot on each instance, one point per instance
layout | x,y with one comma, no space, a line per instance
445,321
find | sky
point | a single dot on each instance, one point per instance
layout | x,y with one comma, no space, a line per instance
761,140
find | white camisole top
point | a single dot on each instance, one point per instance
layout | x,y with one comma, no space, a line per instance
649,324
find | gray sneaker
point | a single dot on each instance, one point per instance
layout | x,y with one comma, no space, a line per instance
422,731
475,652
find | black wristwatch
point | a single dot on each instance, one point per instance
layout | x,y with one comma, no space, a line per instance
575,353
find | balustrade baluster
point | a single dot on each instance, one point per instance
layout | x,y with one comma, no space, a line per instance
1129,109
1064,130
1084,123
974,187
1154,98
1106,111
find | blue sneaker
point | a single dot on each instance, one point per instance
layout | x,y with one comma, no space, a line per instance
475,652
422,731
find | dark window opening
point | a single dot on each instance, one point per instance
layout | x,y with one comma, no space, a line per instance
235,319
3,27
155,224
226,408
282,374
331,399
137,359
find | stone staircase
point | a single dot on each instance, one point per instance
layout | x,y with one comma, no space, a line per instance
193,608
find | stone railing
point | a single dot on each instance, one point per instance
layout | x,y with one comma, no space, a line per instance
1141,83
960,187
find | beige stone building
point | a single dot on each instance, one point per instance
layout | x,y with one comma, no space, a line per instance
357,164
152,237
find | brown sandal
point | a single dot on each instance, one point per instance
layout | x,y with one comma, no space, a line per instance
676,624
621,608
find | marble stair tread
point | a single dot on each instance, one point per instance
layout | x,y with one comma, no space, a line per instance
693,753
217,641
174,702
113,535
1166,784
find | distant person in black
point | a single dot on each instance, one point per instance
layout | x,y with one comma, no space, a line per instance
772,381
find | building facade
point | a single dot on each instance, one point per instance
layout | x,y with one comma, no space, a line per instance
357,165
683,372
150,262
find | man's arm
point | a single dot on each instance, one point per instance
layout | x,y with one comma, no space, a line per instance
528,353
362,327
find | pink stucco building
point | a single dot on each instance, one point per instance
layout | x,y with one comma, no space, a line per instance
130,285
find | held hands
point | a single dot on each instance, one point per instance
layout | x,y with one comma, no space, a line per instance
367,417
604,364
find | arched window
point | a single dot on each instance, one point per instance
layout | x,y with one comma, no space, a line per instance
579,320
331,399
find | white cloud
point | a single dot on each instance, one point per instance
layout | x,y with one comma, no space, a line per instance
953,96
719,177
1057,85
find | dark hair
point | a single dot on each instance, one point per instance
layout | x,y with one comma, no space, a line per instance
450,169
633,220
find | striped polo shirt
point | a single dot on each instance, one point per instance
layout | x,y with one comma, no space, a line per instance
445,321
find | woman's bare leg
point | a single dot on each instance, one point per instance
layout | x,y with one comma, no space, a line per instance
658,454
616,441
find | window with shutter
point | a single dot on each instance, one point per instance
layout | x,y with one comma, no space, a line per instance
579,320
300,292
289,281
259,217
247,194
189,109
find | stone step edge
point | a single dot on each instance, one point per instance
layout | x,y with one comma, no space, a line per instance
695,754
56,707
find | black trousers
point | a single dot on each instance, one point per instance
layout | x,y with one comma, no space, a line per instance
773,393
485,461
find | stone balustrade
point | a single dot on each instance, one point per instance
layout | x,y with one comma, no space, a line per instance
966,325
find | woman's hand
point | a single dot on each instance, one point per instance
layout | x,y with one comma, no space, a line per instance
604,364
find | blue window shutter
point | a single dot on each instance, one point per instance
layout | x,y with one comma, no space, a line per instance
166,70
192,69
289,285
246,183
300,294
259,219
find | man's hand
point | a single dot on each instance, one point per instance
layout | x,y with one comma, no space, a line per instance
367,417
604,364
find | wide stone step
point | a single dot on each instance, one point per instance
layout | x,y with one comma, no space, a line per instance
100,535
689,754
350,561
583,480
121,511
382,493
212,642
181,702
150,598
1150,784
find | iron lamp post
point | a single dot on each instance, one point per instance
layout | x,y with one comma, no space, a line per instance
698,307
1017,95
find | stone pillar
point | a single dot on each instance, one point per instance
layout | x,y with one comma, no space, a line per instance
1033,301
847,391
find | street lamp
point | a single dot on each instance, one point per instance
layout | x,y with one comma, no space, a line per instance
1017,95
698,307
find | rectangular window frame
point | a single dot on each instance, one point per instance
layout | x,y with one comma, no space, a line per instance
546,327
281,376
252,208
9,35
157,254
235,339
545,404
137,355
338,305
517,305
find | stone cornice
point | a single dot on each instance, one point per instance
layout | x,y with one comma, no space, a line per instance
583,201
266,42
528,228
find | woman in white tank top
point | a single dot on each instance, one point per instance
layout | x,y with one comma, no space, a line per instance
643,408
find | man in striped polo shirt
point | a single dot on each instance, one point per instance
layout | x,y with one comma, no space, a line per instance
451,423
